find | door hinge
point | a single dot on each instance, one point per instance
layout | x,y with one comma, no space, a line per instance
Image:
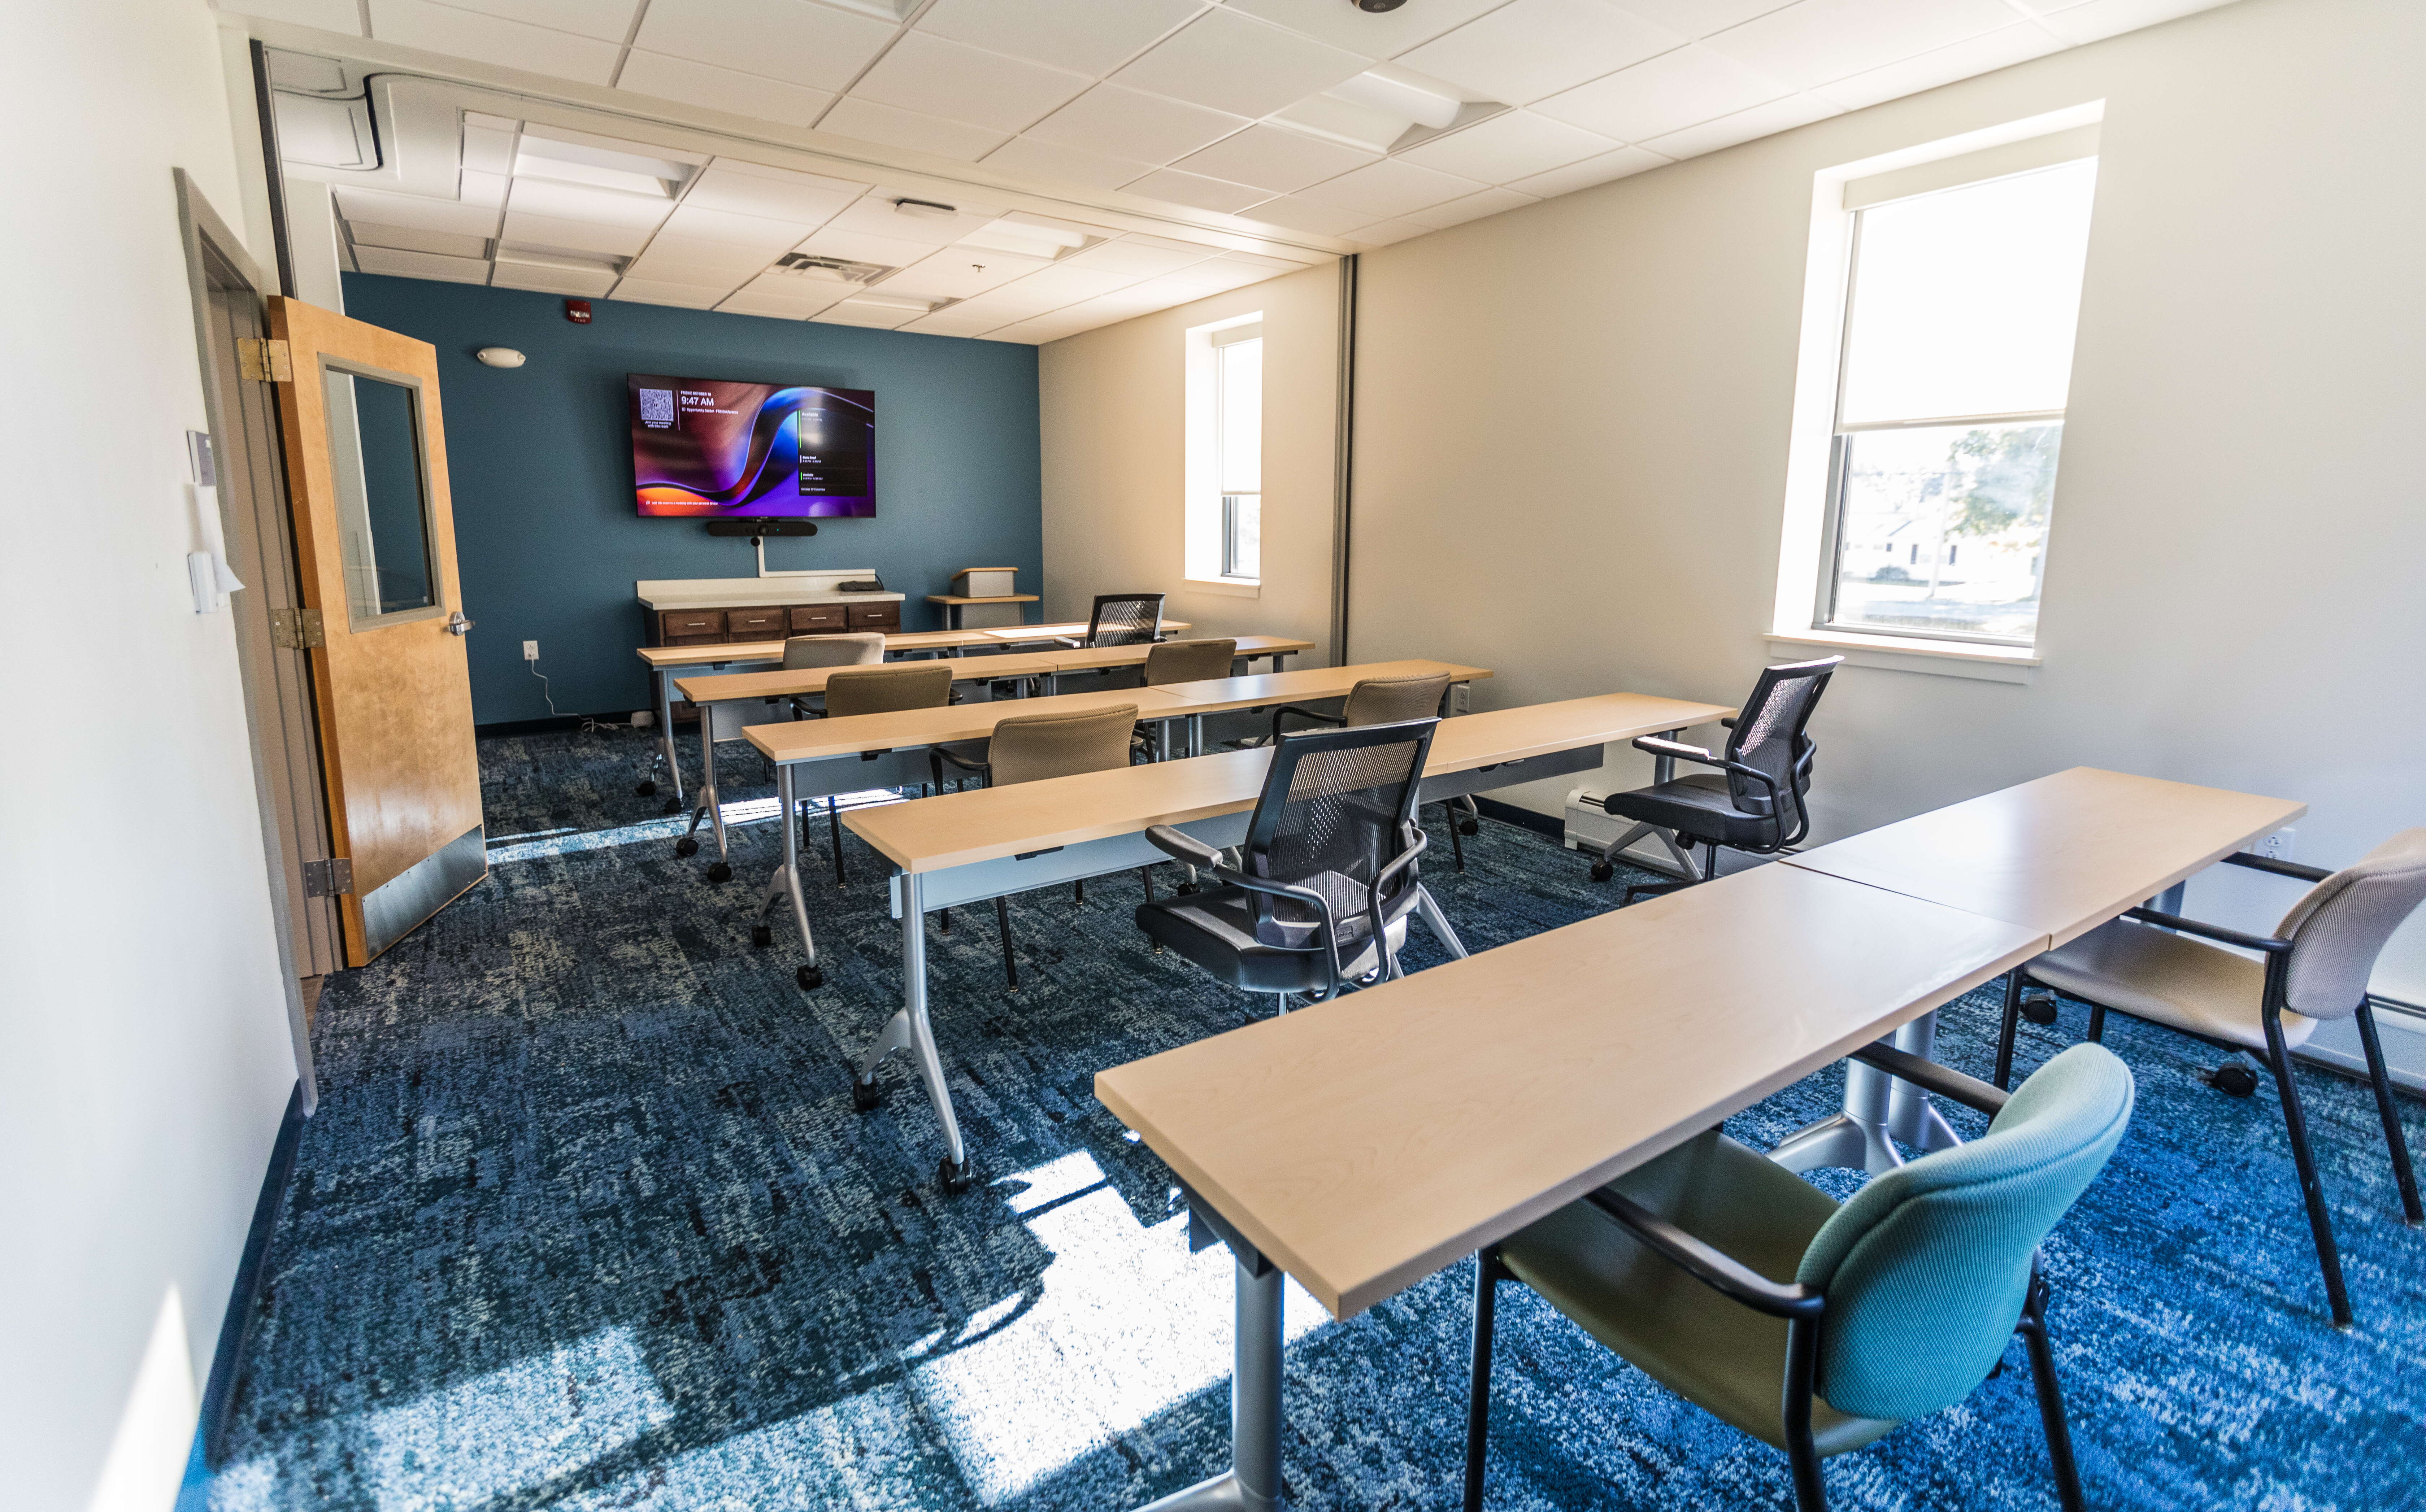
264,360
331,878
297,628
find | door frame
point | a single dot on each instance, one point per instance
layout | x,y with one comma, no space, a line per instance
289,790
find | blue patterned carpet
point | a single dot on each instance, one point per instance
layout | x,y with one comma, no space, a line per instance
585,1220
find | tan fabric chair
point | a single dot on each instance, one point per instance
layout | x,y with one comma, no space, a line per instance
889,688
1188,661
859,647
1388,700
1037,747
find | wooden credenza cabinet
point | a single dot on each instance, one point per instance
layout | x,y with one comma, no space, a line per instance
720,627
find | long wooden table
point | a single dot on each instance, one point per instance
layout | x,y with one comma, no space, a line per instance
1310,684
962,848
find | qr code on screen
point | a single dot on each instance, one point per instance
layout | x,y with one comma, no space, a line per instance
657,408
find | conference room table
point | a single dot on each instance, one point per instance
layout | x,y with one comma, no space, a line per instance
964,847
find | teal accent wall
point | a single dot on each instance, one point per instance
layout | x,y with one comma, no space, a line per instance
546,536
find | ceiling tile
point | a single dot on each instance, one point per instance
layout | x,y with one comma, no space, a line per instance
1391,188
1383,233
936,77
487,150
1008,304
1274,158
408,239
1820,41
486,189
1093,36
950,322
609,21
1142,258
1978,55
1195,189
395,263
1674,90
1130,124
957,272
1218,274
1700,18
810,294
1532,48
1306,215
1509,147
1623,163
1064,164
574,235
671,259
1064,284
849,312
747,303
551,280
1386,35
1227,61
776,194
864,246
878,214
578,202
1038,332
382,208
664,77
2101,18
1743,127
684,295
344,17
799,44
1473,207
488,40
760,233
872,121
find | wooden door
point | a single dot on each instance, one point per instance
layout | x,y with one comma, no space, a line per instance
375,543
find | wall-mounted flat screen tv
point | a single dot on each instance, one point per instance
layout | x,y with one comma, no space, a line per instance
714,449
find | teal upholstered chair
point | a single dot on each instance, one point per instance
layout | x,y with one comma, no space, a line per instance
1818,1327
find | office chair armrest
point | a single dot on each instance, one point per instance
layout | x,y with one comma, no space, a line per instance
1288,709
1931,1077
2210,931
981,768
1707,1264
1180,845
2268,864
1660,746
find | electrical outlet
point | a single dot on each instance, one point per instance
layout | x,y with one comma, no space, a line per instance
530,650
2277,846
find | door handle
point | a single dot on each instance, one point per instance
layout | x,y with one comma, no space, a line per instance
457,625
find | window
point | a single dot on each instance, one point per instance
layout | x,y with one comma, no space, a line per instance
1959,316
1225,455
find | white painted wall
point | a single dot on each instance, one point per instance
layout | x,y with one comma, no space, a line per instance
1114,405
1573,422
144,1058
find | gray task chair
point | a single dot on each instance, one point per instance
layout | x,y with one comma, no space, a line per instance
1125,620
1036,747
886,688
2158,967
1382,701
1182,661
1818,1327
807,652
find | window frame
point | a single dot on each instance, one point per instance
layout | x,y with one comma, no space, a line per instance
1211,513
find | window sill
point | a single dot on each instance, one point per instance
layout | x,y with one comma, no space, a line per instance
1237,587
1903,653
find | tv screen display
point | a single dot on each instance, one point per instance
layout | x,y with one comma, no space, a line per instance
714,449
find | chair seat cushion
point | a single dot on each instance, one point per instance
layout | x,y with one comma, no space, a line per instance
2171,979
1697,805
1215,929
1718,1354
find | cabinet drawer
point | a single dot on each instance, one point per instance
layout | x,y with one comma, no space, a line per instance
685,626
754,624
875,617
811,619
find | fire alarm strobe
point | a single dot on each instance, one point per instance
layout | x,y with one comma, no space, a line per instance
577,311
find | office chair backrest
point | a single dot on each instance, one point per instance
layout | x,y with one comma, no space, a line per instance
1188,661
1768,737
1125,619
1034,746
1926,1268
802,653
2338,928
1387,700
888,689
1337,806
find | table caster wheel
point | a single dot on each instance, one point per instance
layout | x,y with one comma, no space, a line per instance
2039,1007
810,978
953,1178
720,873
2233,1079
762,935
646,789
686,846
673,806
864,1096
1603,871
1468,827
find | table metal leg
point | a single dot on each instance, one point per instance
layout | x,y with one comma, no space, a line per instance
785,883
909,1029
1911,1116
1253,1482
1428,909
1876,1106
666,731
707,782
1195,734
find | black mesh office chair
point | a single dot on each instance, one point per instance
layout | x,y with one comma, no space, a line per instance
1754,803
1125,619
1326,877
1379,701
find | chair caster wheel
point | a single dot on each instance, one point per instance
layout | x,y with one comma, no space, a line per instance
1467,827
1184,888
1603,871
2233,1079
686,846
810,978
951,1178
762,935
2039,1007
646,789
720,872
864,1096
673,806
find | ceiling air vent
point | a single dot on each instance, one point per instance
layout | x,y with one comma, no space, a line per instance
830,269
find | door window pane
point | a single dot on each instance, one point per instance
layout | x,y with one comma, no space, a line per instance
1942,530
383,506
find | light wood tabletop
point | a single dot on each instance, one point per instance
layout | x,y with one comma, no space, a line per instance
1305,684
781,684
999,598
802,740
2061,855
661,657
1365,1143
1064,630
1095,659
960,829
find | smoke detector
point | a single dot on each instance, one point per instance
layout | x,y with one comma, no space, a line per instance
830,269
1379,6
